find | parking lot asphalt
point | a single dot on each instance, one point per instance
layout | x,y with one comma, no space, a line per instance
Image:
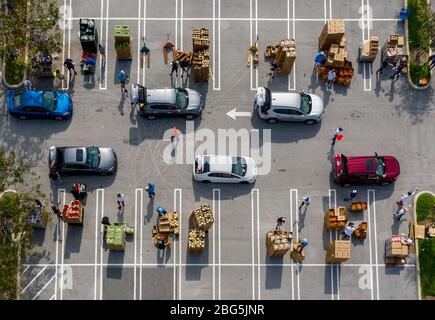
377,115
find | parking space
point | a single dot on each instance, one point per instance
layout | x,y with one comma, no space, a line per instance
234,264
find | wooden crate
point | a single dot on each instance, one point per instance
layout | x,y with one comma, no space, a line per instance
278,243
196,241
332,32
338,251
358,206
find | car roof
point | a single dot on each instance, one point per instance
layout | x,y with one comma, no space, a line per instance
32,98
286,99
74,155
361,164
219,163
164,95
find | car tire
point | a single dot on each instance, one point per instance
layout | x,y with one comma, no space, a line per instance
151,117
205,181
22,117
310,122
272,120
190,117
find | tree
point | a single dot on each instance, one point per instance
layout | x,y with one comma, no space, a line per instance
15,233
32,24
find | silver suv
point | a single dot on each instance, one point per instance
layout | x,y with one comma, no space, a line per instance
288,106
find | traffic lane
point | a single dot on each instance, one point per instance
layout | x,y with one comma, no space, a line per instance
79,283
157,283
196,283
118,282
236,283
198,9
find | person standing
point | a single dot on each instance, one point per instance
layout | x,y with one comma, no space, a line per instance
174,67
55,176
398,69
150,189
348,231
382,67
303,245
69,63
145,51
319,59
306,201
121,201
331,77
27,85
338,134
161,211
401,212
174,134
122,76
273,67
279,223
102,50
406,198
351,196
185,66
56,210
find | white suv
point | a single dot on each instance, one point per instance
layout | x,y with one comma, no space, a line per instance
224,169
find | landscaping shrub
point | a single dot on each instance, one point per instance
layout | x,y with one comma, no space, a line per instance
418,72
425,207
419,24
14,71
427,266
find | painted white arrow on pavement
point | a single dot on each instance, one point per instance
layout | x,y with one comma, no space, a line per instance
233,114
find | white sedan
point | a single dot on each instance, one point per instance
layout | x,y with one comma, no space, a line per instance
224,169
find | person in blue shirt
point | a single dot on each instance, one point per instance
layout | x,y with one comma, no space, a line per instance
161,211
319,59
122,77
145,51
150,189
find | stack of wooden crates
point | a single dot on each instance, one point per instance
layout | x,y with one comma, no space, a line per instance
284,53
332,41
335,220
200,220
201,54
338,251
278,243
369,50
169,223
395,248
123,42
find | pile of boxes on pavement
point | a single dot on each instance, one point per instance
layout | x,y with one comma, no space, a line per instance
338,251
201,54
395,49
116,235
123,42
183,56
336,219
369,50
167,226
200,220
278,243
284,53
333,42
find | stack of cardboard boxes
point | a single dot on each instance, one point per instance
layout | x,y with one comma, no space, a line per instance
278,243
394,49
169,223
284,53
369,50
196,241
201,54
123,42
395,248
202,218
183,56
116,235
338,251
336,219
332,41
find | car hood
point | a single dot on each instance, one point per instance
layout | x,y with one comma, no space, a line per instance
251,171
316,105
392,167
64,103
195,99
108,158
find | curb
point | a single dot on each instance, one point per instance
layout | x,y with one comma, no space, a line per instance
12,86
408,74
417,259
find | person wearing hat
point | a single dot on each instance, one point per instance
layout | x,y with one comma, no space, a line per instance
400,213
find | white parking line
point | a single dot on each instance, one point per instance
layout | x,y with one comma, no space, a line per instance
33,280
69,40
59,221
181,24
138,41
96,245
219,246
293,205
216,210
101,57
297,239
62,257
135,247
330,10
250,42
178,208
252,243
144,34
53,297
107,42
218,76
27,268
290,86
376,242
370,242
43,288
102,242
141,243
257,192
63,49
256,35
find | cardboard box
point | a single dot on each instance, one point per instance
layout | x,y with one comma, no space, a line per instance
420,231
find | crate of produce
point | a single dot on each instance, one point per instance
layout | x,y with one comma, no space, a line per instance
122,32
278,243
115,237
358,206
338,251
73,213
169,223
332,32
202,217
196,241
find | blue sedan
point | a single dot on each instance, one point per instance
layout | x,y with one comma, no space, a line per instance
39,104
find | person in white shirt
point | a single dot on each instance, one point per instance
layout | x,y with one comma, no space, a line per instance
121,200
348,231
305,201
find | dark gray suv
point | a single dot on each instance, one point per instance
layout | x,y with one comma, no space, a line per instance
166,102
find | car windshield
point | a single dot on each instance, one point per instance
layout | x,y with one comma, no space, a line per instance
380,166
49,100
305,103
181,99
92,157
17,100
239,166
